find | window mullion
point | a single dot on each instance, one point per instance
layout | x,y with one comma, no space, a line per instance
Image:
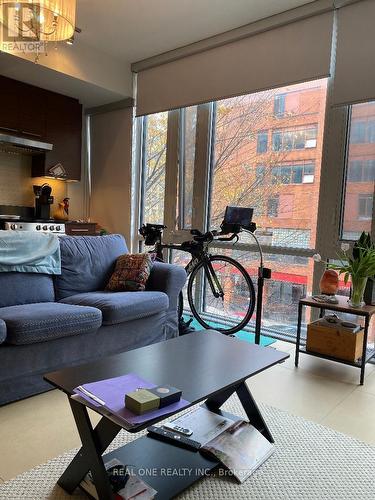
171,172
331,182
201,167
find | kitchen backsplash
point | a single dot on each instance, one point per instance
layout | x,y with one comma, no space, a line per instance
16,183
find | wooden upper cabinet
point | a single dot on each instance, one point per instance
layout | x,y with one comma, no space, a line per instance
39,114
32,105
10,91
64,131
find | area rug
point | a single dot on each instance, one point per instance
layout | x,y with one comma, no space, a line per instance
311,462
244,335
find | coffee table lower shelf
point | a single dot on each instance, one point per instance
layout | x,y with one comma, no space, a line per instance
168,468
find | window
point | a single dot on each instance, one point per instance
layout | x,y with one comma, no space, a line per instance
262,142
260,174
279,105
273,207
363,131
268,175
361,171
293,174
249,166
358,132
371,131
365,206
155,147
298,138
360,176
277,142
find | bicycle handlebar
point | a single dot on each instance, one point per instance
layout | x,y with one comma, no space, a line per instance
152,233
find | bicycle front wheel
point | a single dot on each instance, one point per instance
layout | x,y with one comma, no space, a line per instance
230,312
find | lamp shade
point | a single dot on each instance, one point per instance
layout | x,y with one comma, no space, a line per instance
47,20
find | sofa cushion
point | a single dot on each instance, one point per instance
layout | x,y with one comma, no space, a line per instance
3,331
119,307
25,288
27,324
87,263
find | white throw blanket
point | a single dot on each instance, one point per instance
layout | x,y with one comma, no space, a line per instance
29,252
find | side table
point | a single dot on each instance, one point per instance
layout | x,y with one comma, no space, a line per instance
366,312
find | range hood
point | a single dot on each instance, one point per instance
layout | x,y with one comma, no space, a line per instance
21,145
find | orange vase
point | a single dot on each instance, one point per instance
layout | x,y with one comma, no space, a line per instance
329,282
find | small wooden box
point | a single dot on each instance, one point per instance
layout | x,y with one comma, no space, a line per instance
335,341
80,228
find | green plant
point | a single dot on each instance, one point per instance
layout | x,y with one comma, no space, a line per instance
361,263
358,266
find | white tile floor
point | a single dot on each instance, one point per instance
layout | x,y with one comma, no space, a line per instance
36,429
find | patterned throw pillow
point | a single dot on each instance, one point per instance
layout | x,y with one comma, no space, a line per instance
131,273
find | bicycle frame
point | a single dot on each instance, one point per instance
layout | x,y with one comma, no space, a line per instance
199,253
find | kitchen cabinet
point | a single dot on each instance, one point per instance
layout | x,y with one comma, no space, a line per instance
32,106
22,109
33,112
9,98
64,131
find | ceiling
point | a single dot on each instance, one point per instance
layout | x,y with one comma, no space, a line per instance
116,33
132,30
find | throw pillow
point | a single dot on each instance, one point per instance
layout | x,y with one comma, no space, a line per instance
131,273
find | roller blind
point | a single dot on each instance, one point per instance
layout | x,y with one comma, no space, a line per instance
284,55
355,54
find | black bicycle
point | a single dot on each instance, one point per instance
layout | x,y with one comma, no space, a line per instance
220,292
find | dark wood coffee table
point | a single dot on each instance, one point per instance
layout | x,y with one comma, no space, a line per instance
206,366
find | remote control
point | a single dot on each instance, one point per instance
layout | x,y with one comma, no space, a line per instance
172,437
176,428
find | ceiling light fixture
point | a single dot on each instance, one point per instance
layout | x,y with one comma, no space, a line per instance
39,20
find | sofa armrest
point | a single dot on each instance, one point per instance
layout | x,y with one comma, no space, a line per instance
169,279
3,331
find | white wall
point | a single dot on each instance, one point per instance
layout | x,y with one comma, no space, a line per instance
111,135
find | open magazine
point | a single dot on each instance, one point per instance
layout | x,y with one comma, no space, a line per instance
126,485
237,444
241,448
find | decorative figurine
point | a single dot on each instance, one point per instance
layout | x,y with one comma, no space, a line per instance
62,213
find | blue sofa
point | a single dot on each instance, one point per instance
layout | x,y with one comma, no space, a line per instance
47,323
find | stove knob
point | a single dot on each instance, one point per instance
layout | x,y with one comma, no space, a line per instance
38,227
58,228
52,228
45,228
13,227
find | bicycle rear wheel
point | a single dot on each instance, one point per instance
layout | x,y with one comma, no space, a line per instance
231,312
